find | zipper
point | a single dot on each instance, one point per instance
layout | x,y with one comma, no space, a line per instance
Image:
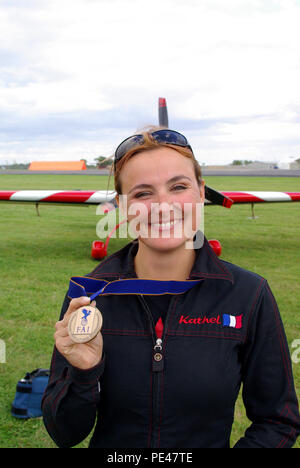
157,358
157,368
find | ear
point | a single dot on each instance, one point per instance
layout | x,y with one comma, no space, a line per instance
121,201
202,191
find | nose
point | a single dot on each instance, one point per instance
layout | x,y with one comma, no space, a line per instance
163,198
165,211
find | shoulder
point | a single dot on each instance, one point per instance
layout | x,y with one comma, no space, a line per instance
244,277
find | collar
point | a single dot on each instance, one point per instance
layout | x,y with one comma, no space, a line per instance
208,265
120,265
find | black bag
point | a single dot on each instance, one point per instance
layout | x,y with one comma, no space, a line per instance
29,393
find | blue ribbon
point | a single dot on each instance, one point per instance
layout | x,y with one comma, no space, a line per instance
84,286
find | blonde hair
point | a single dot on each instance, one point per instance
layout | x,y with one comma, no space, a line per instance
150,143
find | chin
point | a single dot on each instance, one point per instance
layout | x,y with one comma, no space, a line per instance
163,245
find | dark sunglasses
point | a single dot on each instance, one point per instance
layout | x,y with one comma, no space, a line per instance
168,137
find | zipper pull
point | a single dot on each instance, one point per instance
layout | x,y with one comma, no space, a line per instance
158,359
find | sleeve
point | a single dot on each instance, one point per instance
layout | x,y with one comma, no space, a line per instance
71,399
268,389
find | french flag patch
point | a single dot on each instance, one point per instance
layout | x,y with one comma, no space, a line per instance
232,321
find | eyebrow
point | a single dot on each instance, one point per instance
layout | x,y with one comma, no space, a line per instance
170,181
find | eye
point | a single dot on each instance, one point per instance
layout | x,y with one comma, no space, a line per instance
142,194
179,187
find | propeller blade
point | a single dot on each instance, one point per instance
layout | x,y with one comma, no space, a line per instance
163,113
217,198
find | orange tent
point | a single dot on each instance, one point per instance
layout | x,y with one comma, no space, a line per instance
57,166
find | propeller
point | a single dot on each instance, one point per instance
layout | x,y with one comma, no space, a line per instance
163,113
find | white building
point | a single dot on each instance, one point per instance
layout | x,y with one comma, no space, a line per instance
287,163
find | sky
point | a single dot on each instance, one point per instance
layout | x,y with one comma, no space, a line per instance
79,76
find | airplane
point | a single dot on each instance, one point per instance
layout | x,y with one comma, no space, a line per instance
107,198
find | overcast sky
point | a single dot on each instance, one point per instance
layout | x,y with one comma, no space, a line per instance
78,76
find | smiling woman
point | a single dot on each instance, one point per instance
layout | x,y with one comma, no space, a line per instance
182,330
166,198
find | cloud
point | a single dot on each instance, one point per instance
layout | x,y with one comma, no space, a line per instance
79,72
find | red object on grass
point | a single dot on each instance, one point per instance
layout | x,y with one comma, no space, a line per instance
216,246
99,248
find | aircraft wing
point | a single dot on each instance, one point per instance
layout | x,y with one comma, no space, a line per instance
75,197
82,197
262,197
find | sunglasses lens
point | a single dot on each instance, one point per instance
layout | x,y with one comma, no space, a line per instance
171,137
127,145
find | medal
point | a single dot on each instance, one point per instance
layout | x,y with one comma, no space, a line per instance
84,324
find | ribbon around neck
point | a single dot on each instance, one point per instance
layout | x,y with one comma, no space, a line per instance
85,286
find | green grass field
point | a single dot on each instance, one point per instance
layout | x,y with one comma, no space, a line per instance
38,255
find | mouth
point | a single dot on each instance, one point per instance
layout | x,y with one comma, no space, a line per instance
165,226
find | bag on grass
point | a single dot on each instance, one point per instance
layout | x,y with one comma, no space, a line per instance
29,393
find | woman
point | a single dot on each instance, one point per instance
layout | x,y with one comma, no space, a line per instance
166,369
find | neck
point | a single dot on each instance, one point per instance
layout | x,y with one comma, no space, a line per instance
165,266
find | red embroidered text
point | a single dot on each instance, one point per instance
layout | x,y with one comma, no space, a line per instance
199,320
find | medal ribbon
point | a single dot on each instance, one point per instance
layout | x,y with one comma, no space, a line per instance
84,286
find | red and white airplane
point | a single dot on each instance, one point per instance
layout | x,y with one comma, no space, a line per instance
107,198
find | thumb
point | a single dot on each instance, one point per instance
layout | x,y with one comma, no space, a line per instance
76,304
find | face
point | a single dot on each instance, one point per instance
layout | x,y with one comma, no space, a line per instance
162,198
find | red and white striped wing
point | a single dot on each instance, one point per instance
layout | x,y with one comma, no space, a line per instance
102,196
56,196
262,197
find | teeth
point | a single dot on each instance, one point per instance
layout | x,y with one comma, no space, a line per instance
165,225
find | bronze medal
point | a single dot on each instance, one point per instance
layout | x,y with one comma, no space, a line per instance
84,324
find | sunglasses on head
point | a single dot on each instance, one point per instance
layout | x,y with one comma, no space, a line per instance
165,136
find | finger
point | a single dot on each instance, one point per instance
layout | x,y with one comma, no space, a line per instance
64,344
61,332
76,304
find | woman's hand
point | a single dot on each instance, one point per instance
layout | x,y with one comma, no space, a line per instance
80,355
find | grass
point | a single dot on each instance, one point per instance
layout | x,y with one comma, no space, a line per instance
38,255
